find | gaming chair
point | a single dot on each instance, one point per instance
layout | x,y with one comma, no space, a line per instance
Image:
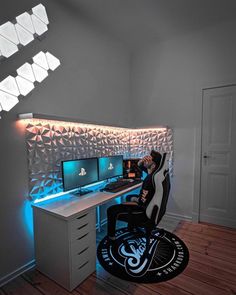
157,206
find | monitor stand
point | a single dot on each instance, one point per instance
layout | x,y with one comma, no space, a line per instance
85,192
82,192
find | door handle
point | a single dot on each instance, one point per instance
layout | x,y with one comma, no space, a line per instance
205,156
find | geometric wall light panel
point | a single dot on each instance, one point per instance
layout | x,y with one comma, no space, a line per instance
39,73
53,62
25,86
26,72
22,30
40,12
8,101
21,85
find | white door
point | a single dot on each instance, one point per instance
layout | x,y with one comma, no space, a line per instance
218,169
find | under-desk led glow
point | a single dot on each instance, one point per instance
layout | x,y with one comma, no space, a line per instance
50,197
27,216
95,186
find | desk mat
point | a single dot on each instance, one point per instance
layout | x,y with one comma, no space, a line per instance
127,257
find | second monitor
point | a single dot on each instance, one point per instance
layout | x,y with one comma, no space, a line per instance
109,167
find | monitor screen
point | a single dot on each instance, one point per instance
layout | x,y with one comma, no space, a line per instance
77,173
109,167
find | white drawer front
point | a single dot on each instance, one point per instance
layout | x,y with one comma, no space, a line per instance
82,242
83,256
82,225
81,273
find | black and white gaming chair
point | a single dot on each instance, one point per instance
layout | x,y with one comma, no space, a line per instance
157,206
161,182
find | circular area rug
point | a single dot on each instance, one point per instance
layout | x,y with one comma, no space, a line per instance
127,257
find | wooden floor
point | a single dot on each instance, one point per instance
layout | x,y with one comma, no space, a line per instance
211,270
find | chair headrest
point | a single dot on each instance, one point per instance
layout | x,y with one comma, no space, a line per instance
162,163
156,157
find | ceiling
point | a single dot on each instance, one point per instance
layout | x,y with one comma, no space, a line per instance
136,21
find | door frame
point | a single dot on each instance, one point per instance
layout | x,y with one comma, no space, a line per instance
198,105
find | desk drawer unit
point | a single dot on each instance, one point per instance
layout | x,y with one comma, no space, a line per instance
65,250
82,225
82,247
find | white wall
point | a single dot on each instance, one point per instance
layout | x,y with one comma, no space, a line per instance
166,87
92,83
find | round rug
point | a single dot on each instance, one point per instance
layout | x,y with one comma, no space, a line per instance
127,257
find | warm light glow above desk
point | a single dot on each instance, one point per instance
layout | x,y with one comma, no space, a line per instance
38,121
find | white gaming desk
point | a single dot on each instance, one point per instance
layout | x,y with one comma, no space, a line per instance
65,235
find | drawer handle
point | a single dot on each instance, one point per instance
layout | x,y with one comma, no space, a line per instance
83,250
82,237
82,216
83,265
82,226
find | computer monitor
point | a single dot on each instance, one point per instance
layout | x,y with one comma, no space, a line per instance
131,169
109,167
78,173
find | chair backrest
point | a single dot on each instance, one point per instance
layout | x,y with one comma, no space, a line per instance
161,182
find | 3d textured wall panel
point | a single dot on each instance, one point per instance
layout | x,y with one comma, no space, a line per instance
142,142
48,144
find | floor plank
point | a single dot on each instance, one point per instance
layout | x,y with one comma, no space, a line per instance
211,280
209,231
211,269
45,285
124,286
218,228
166,289
209,244
196,287
19,286
217,240
94,286
208,251
207,260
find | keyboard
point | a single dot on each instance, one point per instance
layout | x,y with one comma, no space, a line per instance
118,186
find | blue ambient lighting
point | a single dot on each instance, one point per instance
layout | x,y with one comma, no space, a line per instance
50,197
95,186
28,217
49,184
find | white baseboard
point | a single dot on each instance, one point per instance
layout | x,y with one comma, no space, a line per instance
178,216
195,217
16,273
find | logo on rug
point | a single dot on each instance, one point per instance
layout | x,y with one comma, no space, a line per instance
165,257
